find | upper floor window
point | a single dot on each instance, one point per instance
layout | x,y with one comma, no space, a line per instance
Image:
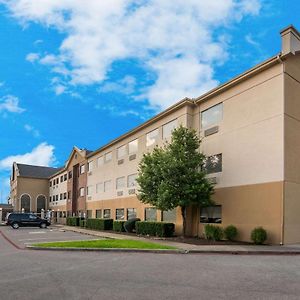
81,192
108,157
100,161
213,164
107,185
61,178
50,183
90,166
131,180
65,177
212,116
152,137
120,183
70,174
89,190
133,146
168,128
99,187
82,169
121,151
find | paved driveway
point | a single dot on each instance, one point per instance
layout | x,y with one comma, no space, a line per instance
31,274
29,235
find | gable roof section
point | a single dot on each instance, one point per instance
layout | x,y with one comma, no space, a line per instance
31,171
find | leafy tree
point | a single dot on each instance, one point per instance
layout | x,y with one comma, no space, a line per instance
172,176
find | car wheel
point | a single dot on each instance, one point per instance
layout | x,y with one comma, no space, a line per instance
43,225
15,225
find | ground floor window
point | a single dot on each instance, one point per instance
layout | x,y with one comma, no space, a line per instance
211,214
169,215
120,214
89,213
150,214
98,213
131,213
106,213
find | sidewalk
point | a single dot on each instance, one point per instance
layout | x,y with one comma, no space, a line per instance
188,248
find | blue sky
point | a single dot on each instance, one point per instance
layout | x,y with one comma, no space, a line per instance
83,72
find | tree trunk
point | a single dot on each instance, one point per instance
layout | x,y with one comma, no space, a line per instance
183,213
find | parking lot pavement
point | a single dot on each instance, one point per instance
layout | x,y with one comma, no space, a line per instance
30,235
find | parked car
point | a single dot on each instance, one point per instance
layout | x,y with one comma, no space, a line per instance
15,220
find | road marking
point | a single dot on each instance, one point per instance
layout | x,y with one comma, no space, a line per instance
36,232
33,239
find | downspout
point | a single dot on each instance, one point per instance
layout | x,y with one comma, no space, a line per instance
283,185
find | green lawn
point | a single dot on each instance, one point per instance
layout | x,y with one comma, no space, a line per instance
109,243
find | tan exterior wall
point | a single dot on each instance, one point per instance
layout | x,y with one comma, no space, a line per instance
292,150
58,189
33,187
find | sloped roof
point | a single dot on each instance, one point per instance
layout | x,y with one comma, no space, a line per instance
36,171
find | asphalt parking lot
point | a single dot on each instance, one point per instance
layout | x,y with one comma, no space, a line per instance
30,235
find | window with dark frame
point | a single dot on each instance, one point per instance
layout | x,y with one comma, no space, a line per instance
120,214
131,213
106,213
211,214
150,214
213,164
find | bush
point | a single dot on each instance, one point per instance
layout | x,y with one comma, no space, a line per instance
213,232
73,221
230,232
118,226
258,235
129,225
99,224
82,223
160,229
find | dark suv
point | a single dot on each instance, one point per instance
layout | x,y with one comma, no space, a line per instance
15,220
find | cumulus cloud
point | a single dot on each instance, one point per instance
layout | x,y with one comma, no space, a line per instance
32,57
10,103
42,155
176,40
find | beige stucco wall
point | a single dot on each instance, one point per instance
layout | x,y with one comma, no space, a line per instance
292,150
58,189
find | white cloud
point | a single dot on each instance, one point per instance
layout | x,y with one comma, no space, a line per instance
42,155
125,86
59,89
162,35
10,103
32,130
32,57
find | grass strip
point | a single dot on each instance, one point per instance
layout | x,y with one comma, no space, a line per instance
109,243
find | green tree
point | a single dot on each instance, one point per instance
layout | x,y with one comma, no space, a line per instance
172,176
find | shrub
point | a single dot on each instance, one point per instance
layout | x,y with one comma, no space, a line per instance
73,221
118,226
213,232
258,235
129,225
82,223
230,232
99,224
160,229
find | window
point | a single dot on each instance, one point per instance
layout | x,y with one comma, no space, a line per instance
106,213
100,161
50,199
50,183
82,169
107,185
152,137
212,116
169,216
65,195
89,213
213,164
90,166
211,214
168,128
121,151
131,213
57,180
120,214
120,183
69,194
133,146
89,190
65,177
131,180
99,187
61,178
56,197
98,213
81,192
150,214
60,196
108,157
70,174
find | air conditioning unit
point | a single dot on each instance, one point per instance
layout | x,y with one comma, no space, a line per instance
89,198
120,161
213,180
131,191
120,193
211,130
132,157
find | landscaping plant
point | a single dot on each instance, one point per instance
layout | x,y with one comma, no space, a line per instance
213,232
259,235
230,232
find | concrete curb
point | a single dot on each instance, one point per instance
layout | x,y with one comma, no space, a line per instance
169,251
